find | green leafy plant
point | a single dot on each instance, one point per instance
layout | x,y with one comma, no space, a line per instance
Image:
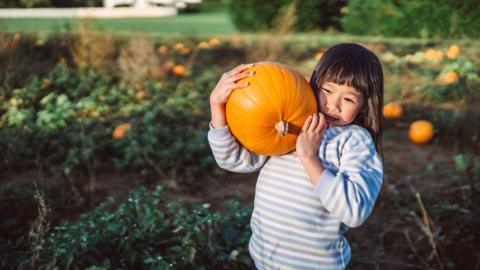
147,232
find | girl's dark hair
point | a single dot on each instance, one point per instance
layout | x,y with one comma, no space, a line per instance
355,66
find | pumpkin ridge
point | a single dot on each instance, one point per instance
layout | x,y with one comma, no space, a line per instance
294,116
258,103
285,100
288,97
268,96
273,95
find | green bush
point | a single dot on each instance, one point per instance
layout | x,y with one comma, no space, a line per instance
147,232
35,3
254,15
64,123
426,19
314,14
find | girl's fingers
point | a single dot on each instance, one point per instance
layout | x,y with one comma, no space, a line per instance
240,76
306,124
321,123
314,123
239,69
241,85
230,87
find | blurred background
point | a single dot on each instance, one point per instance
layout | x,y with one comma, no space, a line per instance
104,114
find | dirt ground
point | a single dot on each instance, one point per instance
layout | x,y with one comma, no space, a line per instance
379,243
409,168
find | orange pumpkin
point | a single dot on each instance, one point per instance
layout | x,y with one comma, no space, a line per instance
392,110
453,51
267,115
179,46
421,132
203,45
121,130
215,42
318,55
179,70
450,77
434,55
163,50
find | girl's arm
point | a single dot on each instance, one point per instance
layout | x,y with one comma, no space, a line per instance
351,193
229,154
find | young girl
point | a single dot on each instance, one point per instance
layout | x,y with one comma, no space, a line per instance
306,200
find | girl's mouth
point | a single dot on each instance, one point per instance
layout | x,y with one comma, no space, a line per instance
330,119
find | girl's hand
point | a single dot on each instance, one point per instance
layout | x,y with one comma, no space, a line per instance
223,90
228,83
310,137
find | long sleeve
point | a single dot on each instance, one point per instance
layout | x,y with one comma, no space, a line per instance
231,155
350,194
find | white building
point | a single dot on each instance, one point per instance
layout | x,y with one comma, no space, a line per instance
179,4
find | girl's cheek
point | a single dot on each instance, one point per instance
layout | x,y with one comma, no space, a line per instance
322,101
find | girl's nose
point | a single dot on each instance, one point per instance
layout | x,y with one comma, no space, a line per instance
333,107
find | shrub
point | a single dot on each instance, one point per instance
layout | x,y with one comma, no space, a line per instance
314,14
446,18
147,232
35,3
22,55
254,15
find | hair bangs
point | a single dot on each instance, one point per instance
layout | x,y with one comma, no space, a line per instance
351,75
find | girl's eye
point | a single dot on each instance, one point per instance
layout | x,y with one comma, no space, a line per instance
326,90
350,100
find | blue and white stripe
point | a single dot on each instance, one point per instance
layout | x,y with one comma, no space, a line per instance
296,225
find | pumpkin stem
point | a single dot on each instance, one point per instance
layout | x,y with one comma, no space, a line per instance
282,128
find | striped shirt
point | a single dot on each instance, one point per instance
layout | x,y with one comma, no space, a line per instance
296,225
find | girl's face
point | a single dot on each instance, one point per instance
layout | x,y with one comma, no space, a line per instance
340,103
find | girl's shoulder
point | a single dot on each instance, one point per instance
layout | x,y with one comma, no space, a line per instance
350,135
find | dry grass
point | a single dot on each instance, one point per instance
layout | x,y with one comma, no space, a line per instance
137,62
40,226
91,48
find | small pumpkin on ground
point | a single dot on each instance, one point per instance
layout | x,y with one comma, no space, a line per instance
121,130
267,115
453,51
392,110
450,78
421,132
179,70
